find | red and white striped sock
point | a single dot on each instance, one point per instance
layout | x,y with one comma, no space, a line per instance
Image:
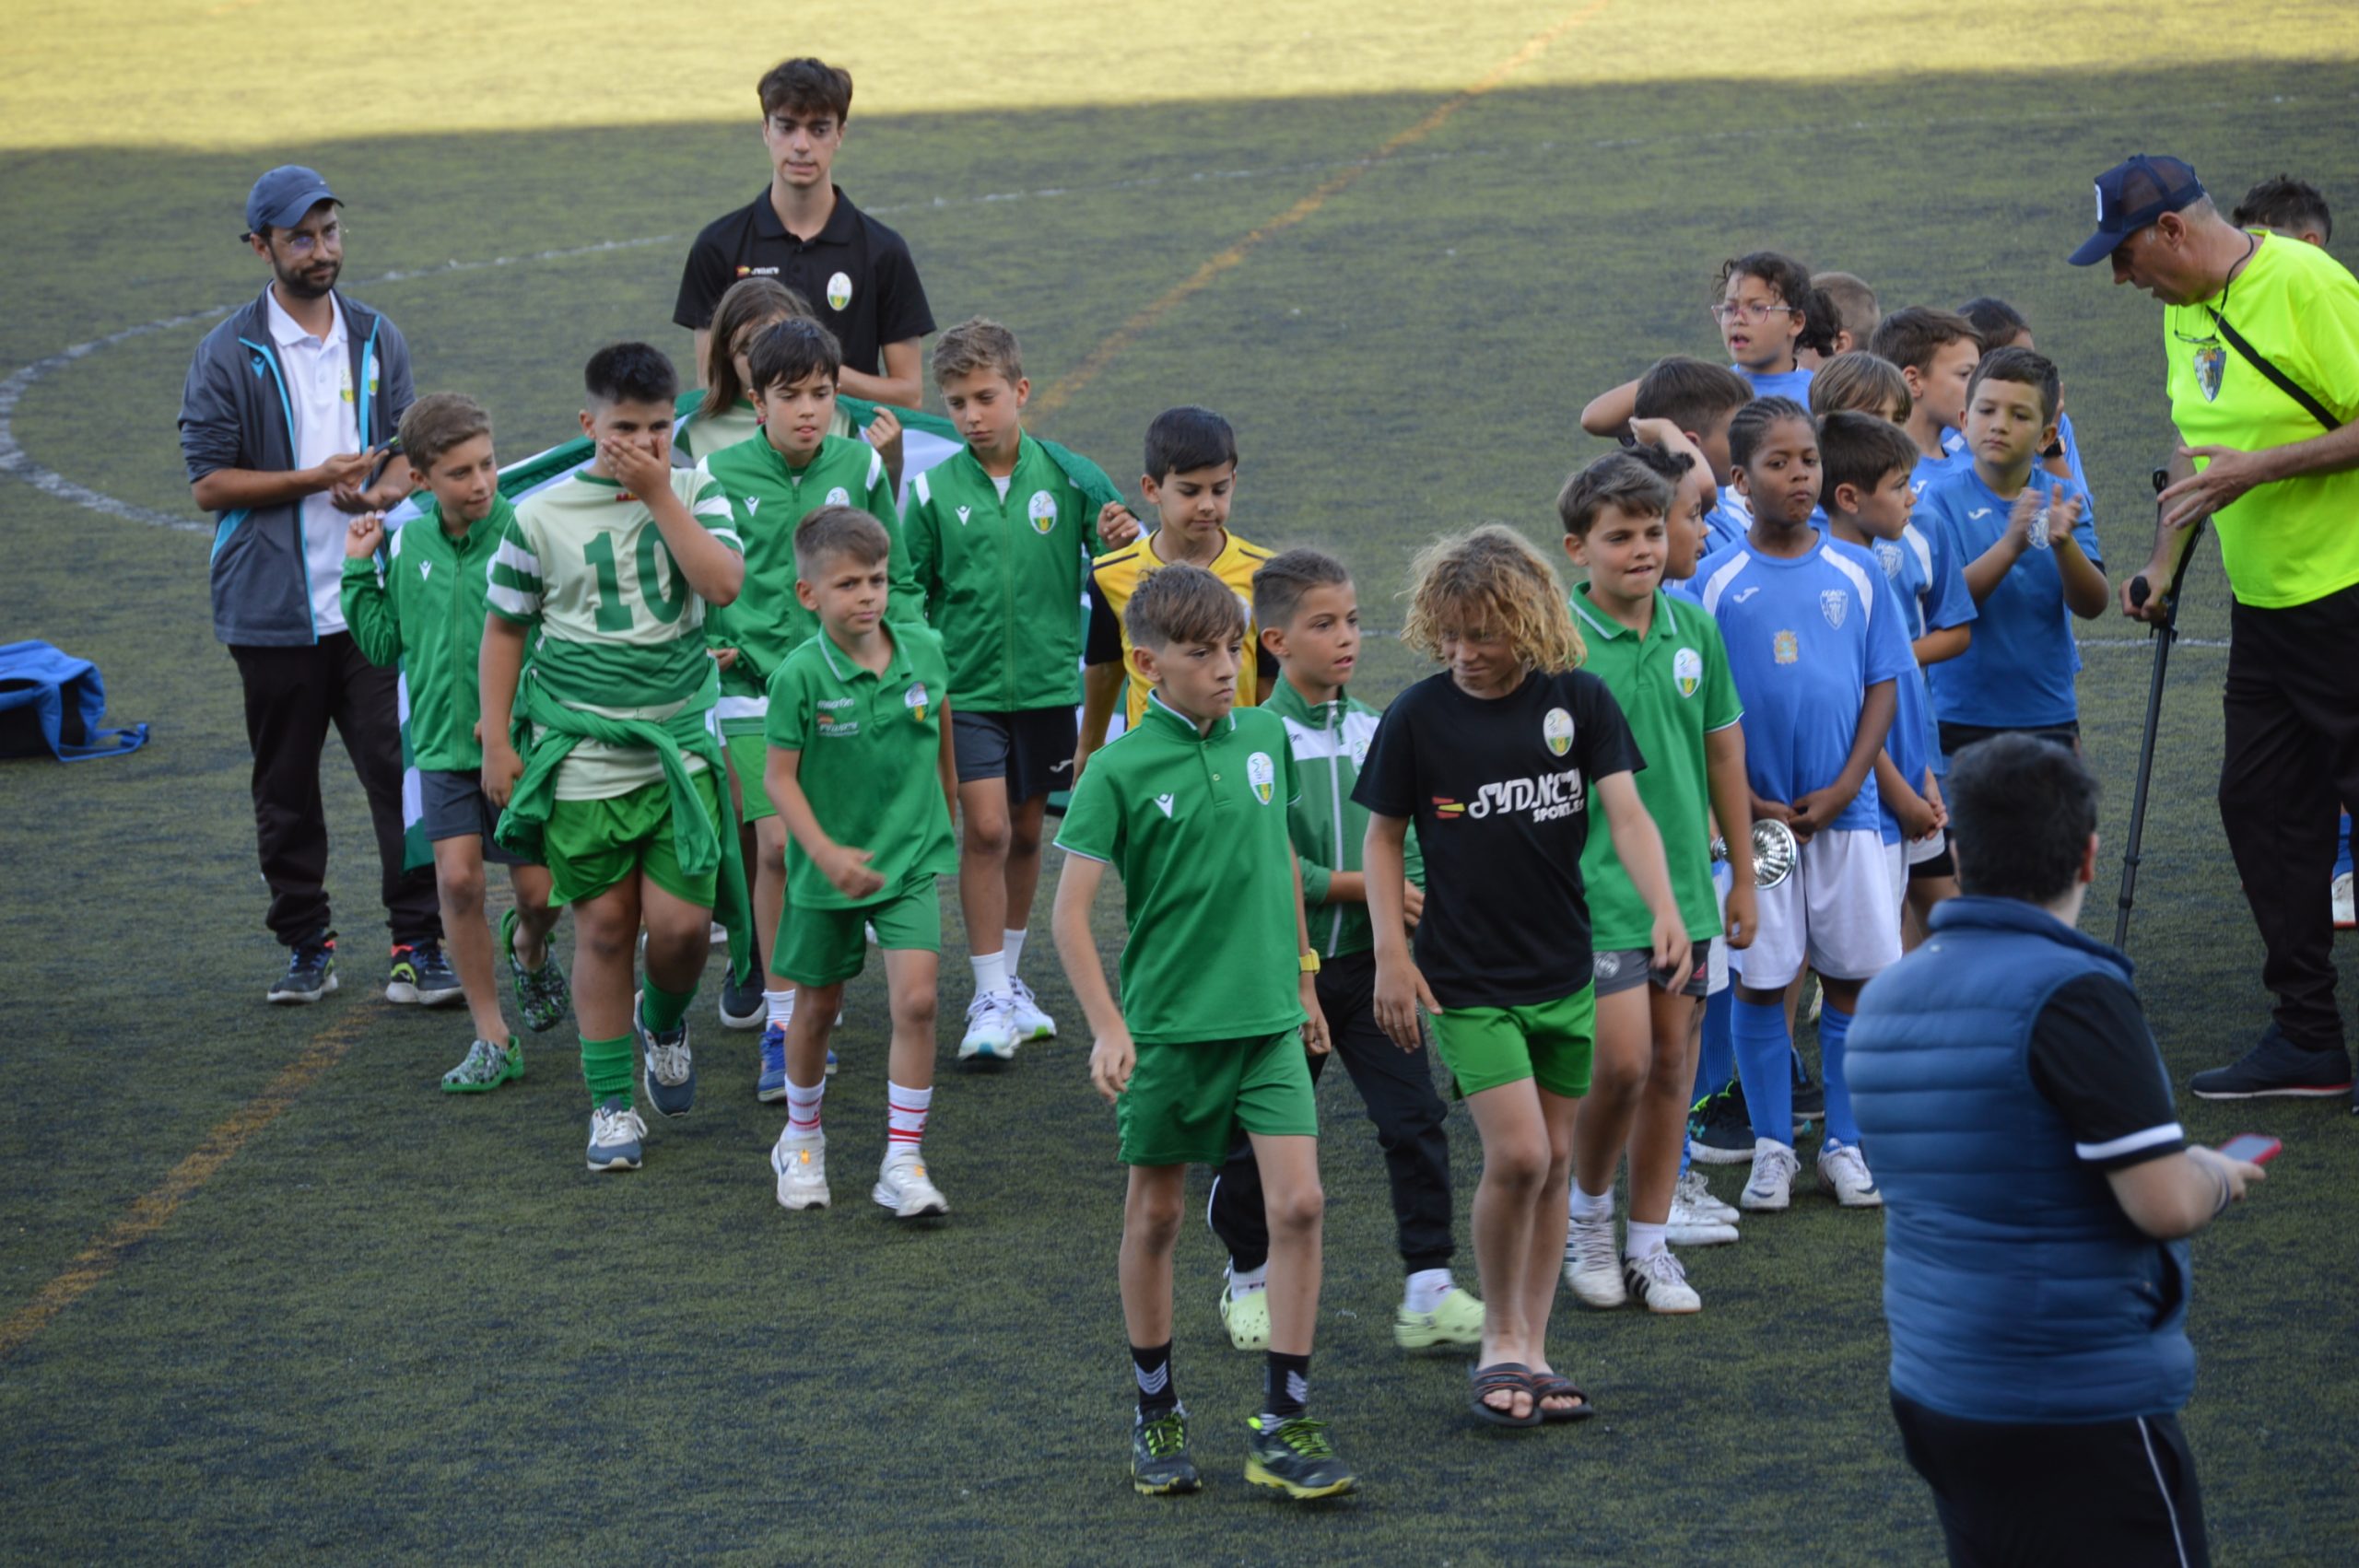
803,1107
906,1110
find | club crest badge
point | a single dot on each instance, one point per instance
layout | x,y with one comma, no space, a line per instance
914,700
1687,671
1834,603
1557,731
1263,774
839,291
1042,511
839,496
2211,366
1786,647
1888,557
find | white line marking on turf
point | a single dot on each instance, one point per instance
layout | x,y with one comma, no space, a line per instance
17,462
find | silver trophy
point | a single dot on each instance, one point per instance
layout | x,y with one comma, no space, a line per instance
1775,850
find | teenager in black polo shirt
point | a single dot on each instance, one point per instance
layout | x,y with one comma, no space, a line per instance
803,231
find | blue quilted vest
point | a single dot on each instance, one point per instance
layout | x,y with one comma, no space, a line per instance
2015,1288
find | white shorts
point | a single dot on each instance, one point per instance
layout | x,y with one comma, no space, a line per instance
1716,962
1837,913
1896,865
1929,847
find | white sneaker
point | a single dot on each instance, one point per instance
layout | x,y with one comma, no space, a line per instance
1696,1195
1030,1021
2344,917
1659,1282
1590,1265
903,1186
615,1131
1843,1173
1690,1227
1772,1184
801,1165
991,1028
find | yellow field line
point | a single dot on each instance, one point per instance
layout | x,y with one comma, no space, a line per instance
1094,363
157,1206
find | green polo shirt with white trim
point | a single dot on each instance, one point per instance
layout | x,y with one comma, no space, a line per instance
871,759
1674,689
1196,825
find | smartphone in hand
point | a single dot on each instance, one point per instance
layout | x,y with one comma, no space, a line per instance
2253,1148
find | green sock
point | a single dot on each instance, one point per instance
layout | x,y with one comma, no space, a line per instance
606,1067
662,1010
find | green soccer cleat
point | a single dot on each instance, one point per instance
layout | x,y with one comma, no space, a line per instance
1159,1461
1456,1319
1294,1457
542,994
487,1067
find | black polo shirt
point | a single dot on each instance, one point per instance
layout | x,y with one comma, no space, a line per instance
855,271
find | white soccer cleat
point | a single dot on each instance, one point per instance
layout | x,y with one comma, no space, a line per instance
1590,1267
2344,917
1772,1183
1844,1173
1689,1227
1026,1017
1696,1195
903,1188
991,1028
801,1166
1659,1282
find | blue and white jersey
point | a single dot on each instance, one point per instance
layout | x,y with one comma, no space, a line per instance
1932,468
1934,598
1806,638
1953,443
1794,384
1729,521
2018,672
1912,742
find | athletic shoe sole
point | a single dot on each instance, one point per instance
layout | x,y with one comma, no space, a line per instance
906,1208
614,1162
1256,1476
1165,1489
2305,1091
298,998
1706,1154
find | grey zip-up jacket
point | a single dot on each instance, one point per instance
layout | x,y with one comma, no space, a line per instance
235,414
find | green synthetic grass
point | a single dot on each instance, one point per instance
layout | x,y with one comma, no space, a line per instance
403,1326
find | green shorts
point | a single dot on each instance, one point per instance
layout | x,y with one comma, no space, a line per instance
591,846
1186,1103
1548,1042
749,755
826,947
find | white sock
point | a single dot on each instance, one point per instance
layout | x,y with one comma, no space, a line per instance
905,1117
1641,1242
1586,1206
803,1106
780,1005
1245,1281
1427,1287
1012,949
990,973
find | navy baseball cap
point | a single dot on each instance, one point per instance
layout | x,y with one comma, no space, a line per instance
281,197
2132,194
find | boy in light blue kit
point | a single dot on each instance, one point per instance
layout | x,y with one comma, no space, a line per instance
1816,651
2030,558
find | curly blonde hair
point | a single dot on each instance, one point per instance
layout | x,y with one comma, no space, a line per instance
1491,579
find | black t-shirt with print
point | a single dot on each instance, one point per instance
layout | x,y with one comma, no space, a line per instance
1500,790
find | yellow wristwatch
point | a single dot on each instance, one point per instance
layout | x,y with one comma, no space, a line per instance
1310,962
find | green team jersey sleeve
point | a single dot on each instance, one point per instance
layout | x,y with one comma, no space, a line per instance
370,613
1722,706
1093,826
518,580
916,579
707,503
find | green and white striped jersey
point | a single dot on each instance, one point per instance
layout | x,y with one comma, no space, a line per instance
615,628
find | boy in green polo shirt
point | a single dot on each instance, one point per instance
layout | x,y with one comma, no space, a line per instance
607,572
996,543
423,606
862,771
1663,659
1190,809
791,469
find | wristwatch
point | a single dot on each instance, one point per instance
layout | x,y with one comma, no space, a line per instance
1309,962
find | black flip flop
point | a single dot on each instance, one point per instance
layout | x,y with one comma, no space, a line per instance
1556,1386
1512,1374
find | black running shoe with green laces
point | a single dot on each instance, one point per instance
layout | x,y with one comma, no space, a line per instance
1719,1127
542,994
1295,1456
1159,1461
311,972
422,977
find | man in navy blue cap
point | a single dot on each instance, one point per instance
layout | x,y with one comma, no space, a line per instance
285,421
2262,339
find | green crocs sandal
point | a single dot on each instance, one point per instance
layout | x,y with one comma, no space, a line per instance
487,1067
542,994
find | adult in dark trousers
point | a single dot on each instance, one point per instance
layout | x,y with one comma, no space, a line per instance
803,231
284,423
2037,1194
2262,338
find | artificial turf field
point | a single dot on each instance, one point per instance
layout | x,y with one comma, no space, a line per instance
266,1293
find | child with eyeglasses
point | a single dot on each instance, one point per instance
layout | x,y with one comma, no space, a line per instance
1768,313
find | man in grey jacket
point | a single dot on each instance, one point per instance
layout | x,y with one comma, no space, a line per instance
289,407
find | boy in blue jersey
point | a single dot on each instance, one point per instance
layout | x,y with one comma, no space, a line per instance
2000,325
1770,314
2030,560
1865,468
1817,653
1936,351
1693,398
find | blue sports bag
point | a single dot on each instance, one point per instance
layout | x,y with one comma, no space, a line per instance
51,705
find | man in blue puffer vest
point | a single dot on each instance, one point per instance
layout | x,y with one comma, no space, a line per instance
2038,1192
